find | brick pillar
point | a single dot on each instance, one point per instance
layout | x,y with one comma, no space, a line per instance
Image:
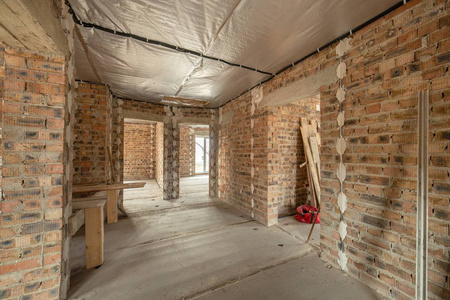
171,184
214,153
33,183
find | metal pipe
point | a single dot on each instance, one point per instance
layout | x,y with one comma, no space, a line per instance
422,199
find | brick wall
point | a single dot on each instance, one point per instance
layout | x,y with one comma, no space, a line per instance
291,179
187,147
90,134
171,117
259,157
388,64
244,144
33,110
187,151
139,151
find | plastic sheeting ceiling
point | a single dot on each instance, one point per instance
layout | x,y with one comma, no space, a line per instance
262,34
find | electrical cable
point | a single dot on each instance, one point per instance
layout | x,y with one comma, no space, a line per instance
157,43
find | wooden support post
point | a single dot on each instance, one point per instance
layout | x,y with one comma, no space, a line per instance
93,219
111,206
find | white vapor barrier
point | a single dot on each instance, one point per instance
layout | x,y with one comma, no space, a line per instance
83,68
219,82
135,69
262,34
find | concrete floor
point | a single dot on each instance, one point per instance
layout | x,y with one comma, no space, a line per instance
198,247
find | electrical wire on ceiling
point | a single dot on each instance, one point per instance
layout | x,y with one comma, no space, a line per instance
158,43
201,55
322,48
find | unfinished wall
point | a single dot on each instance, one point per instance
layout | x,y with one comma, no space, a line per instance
261,151
291,179
32,178
171,118
388,63
90,132
187,147
139,151
187,151
243,157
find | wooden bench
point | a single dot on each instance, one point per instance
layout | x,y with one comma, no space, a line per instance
112,191
90,212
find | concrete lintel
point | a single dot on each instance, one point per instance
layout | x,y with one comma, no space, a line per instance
35,25
194,120
130,114
301,89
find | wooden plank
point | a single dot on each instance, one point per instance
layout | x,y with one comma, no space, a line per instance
89,198
76,220
88,204
112,215
314,149
308,176
315,153
311,165
106,187
94,236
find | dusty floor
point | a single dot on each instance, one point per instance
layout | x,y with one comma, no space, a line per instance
197,247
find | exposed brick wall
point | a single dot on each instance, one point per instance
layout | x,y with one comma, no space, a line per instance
272,148
388,63
90,134
291,179
187,151
237,156
171,117
187,147
139,151
33,110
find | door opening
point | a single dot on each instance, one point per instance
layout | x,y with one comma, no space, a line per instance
201,155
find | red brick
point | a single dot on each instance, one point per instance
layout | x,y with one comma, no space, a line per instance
14,85
19,266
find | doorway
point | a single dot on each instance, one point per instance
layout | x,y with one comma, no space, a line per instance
194,163
201,155
143,152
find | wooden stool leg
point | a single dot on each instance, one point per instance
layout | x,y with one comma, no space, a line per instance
93,219
111,206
